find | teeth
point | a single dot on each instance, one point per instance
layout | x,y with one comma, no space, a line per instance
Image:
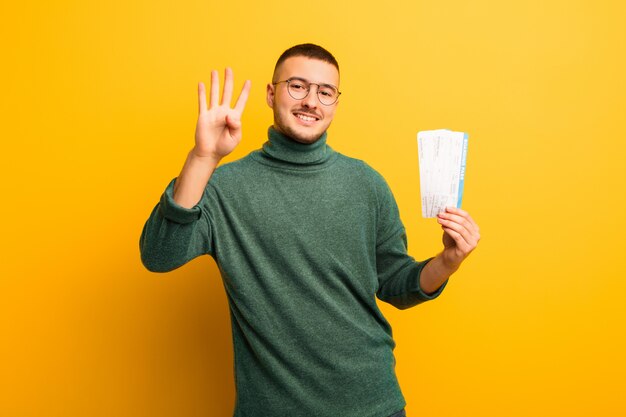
305,118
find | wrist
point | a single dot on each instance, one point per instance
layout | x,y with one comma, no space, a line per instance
444,265
210,160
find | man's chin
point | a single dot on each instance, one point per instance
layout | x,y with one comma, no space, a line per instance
306,139
302,137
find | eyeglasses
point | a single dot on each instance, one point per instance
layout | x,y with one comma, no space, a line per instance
299,88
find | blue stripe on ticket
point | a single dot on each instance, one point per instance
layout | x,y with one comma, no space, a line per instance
462,173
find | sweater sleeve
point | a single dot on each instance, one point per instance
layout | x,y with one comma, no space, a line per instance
398,272
173,235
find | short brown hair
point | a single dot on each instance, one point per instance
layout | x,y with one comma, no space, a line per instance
308,50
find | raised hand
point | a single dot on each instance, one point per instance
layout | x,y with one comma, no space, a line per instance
218,130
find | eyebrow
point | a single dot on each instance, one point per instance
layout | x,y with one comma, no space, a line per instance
309,82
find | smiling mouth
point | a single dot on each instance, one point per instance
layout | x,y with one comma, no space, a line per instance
306,117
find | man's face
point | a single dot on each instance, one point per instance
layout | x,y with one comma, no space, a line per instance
307,119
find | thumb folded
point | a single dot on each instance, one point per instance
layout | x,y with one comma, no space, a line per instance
233,123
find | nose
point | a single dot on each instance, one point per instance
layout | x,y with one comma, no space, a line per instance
310,100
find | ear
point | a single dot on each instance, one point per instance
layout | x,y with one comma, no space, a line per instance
269,98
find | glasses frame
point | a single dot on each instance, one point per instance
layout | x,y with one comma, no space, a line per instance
288,80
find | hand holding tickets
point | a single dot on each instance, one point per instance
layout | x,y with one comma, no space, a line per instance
442,155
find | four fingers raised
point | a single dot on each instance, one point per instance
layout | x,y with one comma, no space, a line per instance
227,92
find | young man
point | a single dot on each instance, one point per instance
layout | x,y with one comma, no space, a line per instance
305,239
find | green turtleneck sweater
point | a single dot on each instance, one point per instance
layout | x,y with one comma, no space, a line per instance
305,239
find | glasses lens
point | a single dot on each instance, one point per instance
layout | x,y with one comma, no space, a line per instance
327,94
298,89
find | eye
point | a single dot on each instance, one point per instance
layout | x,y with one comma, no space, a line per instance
297,85
327,92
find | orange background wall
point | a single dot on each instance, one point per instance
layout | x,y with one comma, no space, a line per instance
98,111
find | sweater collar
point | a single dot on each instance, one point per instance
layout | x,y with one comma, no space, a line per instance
281,147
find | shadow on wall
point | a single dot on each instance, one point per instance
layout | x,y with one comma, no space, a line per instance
189,338
153,344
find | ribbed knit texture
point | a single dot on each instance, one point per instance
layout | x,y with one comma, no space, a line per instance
305,239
